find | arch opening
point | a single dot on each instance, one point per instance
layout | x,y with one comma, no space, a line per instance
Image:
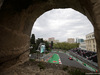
61,24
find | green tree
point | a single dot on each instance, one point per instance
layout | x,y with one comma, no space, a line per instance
65,46
32,44
38,41
47,45
32,41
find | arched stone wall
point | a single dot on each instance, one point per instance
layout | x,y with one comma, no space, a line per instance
17,18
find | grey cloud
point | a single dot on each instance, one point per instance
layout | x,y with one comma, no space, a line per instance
62,24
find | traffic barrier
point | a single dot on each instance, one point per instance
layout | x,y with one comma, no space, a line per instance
86,65
60,61
92,64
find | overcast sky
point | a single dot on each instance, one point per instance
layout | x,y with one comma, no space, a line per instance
62,24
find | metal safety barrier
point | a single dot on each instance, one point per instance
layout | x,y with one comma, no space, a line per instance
91,66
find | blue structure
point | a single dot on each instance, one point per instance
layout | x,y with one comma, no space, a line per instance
42,48
79,40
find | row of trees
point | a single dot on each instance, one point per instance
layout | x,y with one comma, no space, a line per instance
65,46
34,44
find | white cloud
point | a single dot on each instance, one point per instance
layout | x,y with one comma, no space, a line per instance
62,24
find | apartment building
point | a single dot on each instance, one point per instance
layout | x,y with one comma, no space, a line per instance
71,40
51,39
91,42
56,41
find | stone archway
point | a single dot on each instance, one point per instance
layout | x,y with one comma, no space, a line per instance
17,18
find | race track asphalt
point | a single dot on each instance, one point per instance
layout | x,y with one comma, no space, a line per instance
68,62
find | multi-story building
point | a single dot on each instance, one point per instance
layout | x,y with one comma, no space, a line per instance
91,42
71,40
56,41
79,40
82,45
52,39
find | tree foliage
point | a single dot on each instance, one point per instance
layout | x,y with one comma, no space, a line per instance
66,46
47,45
35,45
32,41
32,44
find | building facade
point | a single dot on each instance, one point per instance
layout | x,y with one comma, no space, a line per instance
71,40
56,41
82,45
91,42
79,40
51,39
